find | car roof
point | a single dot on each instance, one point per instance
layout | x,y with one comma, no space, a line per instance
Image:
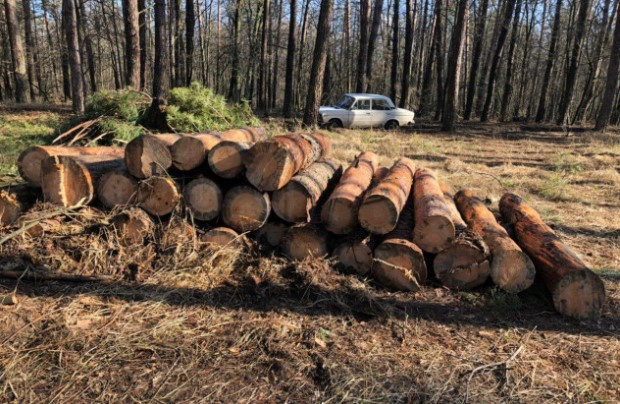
356,95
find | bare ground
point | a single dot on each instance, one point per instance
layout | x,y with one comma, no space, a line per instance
173,321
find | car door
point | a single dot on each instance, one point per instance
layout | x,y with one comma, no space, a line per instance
381,112
361,114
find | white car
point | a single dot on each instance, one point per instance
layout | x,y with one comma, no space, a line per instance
364,111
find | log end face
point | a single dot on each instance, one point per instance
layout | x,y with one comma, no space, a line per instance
291,203
268,167
354,257
29,164
339,216
158,196
66,182
378,214
512,270
304,241
226,161
203,198
187,153
222,237
434,234
399,264
146,156
116,188
462,267
132,226
245,208
579,294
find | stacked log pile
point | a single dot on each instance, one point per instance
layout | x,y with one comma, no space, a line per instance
398,224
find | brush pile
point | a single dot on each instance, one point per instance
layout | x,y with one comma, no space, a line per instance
398,224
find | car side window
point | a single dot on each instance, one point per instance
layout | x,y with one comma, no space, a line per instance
362,104
380,104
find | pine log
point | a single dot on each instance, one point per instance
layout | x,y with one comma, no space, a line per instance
354,253
270,164
576,290
465,264
271,233
434,230
70,181
203,198
305,240
158,195
245,208
297,201
29,161
116,188
339,213
399,263
14,200
244,135
189,152
132,226
511,269
383,203
222,237
148,155
226,158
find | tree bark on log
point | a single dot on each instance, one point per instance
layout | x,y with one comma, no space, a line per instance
29,161
434,230
270,164
70,181
148,155
14,200
117,188
245,208
339,213
576,290
226,158
158,195
132,226
383,203
465,264
398,263
305,240
296,202
203,198
511,269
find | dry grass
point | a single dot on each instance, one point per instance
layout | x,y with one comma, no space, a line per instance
175,321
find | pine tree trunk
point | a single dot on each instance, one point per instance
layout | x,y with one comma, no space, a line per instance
507,95
450,109
142,32
31,51
541,111
612,79
361,78
287,107
132,43
160,78
75,60
233,89
372,40
395,36
20,72
190,22
475,62
406,76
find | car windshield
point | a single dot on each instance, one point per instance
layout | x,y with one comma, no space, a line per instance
346,102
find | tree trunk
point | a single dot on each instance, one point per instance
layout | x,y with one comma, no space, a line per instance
263,66
507,95
576,290
203,198
75,60
450,109
142,32
31,51
315,88
497,56
571,74
270,164
406,77
395,36
298,200
362,56
116,188
132,43
233,89
372,40
190,22
439,59
156,113
90,56
511,269
427,83
612,79
339,213
541,111
20,73
287,107
475,61
245,208
383,202
276,60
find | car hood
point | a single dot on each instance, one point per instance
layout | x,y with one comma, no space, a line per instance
325,109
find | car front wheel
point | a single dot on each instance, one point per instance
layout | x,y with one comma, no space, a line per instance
334,124
391,125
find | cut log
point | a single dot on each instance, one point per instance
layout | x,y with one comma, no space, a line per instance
158,195
226,158
245,208
203,198
511,269
306,240
132,226
465,264
244,135
354,253
576,290
29,161
271,233
116,188
298,199
270,164
339,213
398,263
148,155
383,203
14,200
70,181
222,237
434,230
189,152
